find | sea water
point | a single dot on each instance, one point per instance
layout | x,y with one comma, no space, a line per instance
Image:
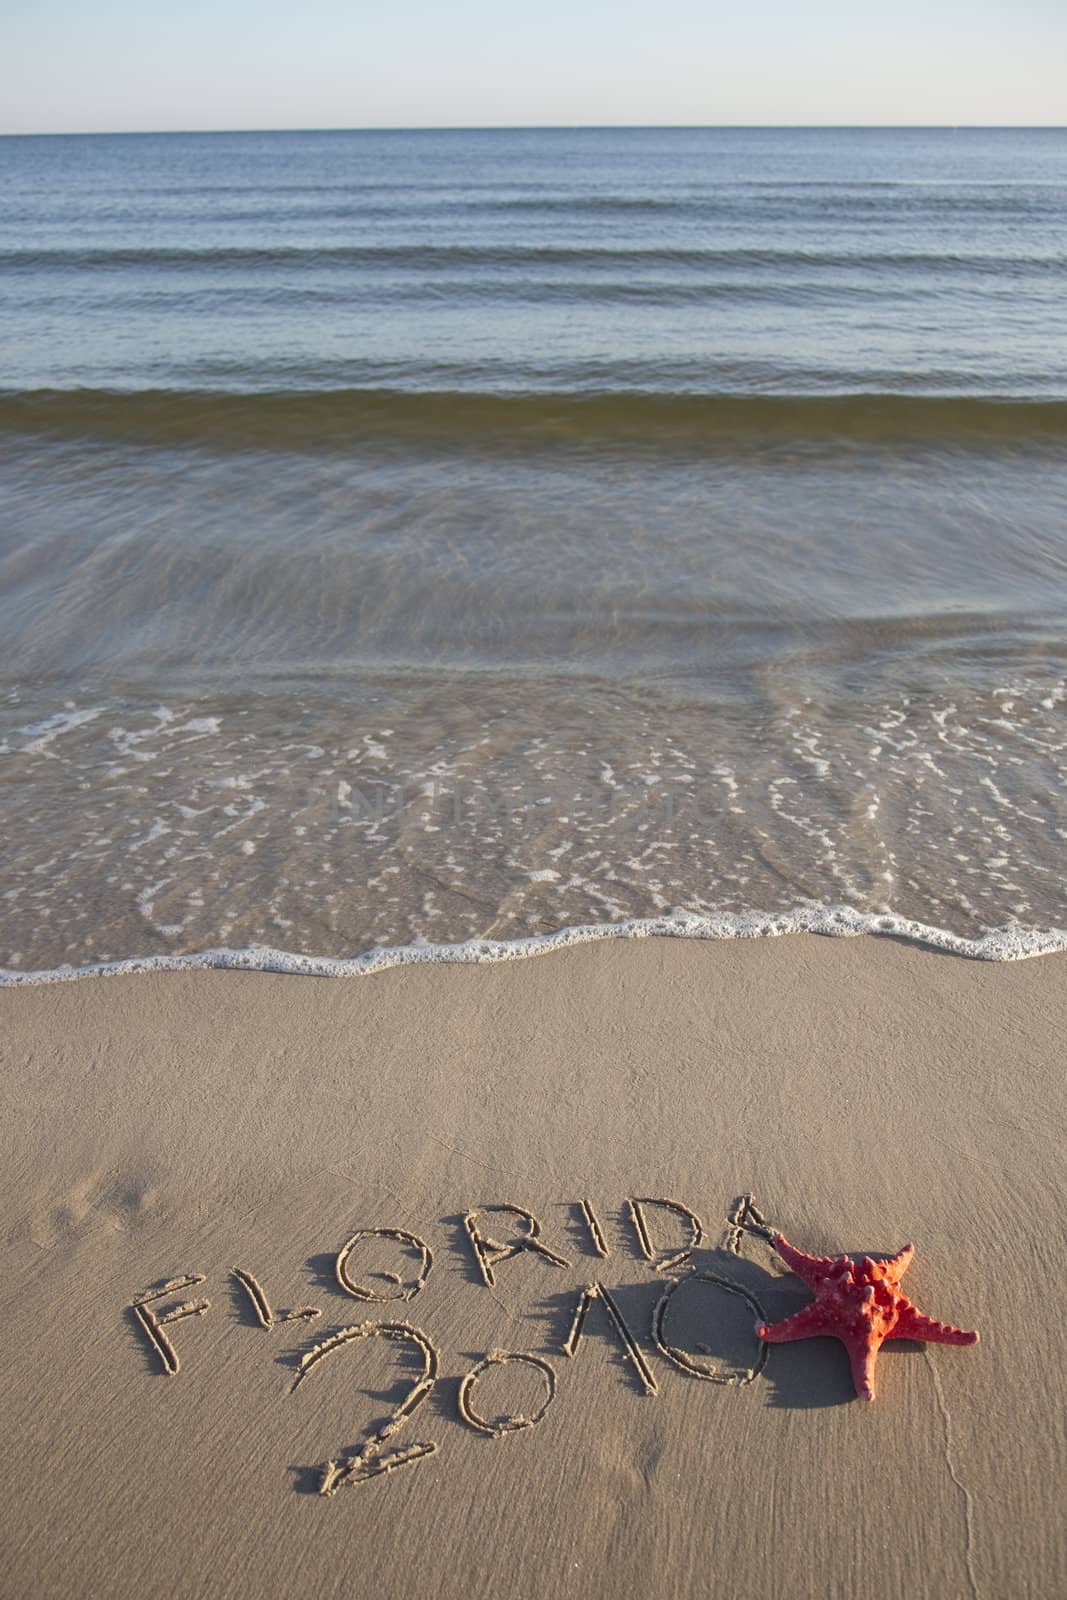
415,538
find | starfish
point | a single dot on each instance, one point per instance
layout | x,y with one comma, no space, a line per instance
860,1303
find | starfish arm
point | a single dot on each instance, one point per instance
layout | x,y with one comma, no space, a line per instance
806,1267
808,1323
862,1355
911,1324
897,1265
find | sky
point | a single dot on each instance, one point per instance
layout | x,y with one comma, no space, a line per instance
137,65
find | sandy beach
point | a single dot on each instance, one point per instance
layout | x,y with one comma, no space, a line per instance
230,1134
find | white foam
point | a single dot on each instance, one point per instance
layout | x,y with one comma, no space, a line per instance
840,922
41,734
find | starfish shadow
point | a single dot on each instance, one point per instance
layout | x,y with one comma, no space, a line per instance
716,1328
815,1372
711,1321
809,1375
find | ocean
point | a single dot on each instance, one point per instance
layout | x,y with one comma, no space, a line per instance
410,538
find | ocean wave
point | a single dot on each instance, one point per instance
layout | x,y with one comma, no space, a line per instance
310,418
1001,944
420,257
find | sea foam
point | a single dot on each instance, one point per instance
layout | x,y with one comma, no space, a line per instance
839,922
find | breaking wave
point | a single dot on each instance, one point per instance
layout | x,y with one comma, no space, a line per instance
839,922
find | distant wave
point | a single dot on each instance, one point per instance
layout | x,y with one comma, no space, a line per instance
1004,944
421,257
310,418
734,203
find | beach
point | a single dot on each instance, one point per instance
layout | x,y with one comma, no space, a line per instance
533,667
231,1133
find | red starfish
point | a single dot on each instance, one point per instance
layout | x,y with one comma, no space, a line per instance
860,1303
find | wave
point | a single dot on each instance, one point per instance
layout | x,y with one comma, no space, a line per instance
1002,944
737,202
421,257
312,418
479,291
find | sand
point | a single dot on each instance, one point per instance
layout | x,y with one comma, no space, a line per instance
238,1131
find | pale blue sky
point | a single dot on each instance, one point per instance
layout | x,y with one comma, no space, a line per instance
120,65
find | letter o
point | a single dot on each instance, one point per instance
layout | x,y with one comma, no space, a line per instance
403,1292
685,1362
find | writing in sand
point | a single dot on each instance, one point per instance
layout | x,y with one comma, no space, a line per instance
494,1234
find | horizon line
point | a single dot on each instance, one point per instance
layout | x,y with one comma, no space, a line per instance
546,127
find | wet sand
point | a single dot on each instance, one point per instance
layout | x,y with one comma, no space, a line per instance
239,1130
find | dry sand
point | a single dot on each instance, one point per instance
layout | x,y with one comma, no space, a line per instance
865,1092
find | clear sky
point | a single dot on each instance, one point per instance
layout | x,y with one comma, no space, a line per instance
123,65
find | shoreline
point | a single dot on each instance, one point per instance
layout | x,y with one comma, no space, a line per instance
271,1149
1009,943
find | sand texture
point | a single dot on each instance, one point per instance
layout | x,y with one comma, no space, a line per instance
488,1395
